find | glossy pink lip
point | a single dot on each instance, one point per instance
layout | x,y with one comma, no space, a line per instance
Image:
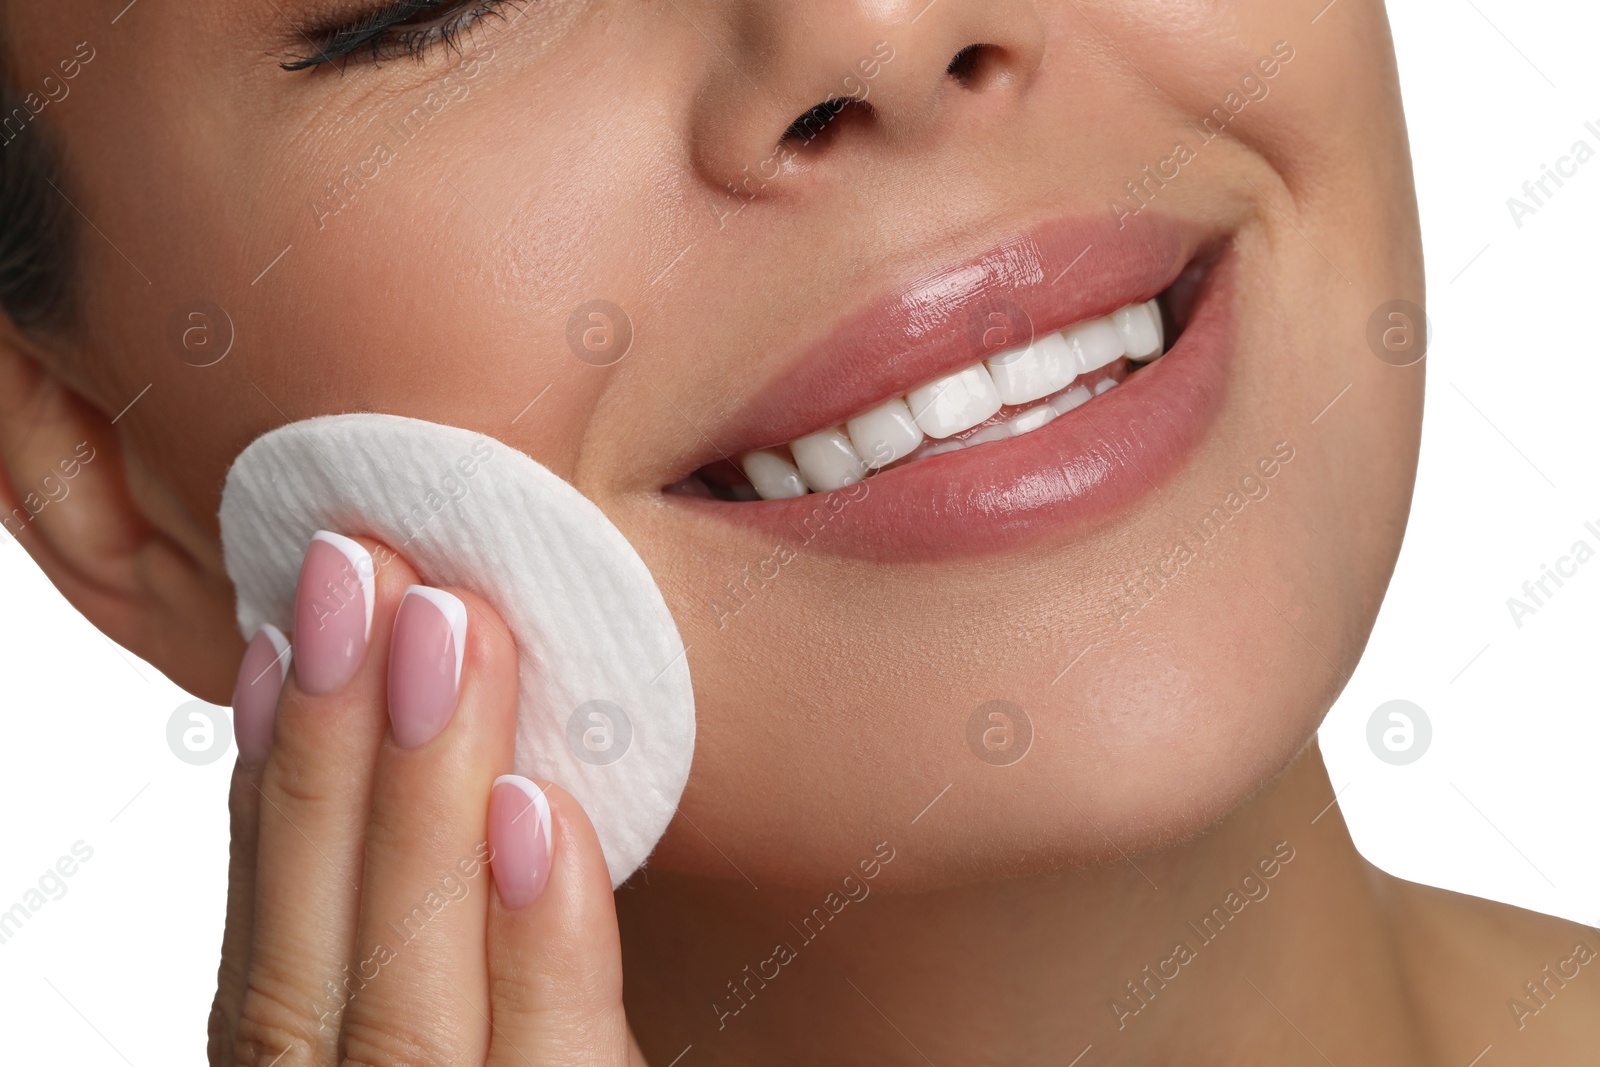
1005,494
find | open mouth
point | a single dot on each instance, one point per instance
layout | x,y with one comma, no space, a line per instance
988,404
1018,390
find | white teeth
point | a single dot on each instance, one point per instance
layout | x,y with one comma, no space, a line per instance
885,433
941,449
1031,420
1140,327
1077,396
1026,374
1095,343
774,477
901,427
945,407
828,461
998,432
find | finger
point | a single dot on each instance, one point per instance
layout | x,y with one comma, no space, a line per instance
420,950
255,705
243,806
555,958
314,800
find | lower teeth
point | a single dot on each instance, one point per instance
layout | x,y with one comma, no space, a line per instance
1042,414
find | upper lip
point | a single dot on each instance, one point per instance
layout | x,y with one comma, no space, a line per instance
1058,274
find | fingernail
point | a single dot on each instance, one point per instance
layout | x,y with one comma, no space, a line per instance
425,652
255,694
519,839
332,612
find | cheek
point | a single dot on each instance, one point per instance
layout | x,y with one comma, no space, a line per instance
428,266
481,294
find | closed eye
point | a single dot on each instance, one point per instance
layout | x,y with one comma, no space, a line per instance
401,28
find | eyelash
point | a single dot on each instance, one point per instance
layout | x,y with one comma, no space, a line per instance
381,34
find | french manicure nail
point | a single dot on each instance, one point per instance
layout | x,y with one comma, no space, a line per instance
519,839
332,612
255,694
425,653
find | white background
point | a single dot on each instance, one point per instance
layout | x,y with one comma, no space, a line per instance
1503,804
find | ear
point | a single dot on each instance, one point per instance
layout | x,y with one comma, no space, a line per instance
107,531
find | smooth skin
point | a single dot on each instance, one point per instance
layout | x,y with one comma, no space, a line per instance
590,157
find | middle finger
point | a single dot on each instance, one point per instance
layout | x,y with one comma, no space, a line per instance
422,962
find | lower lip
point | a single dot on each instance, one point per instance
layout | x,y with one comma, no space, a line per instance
1058,480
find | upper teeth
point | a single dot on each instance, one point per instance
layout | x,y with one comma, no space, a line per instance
842,455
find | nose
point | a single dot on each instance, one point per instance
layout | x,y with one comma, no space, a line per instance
800,83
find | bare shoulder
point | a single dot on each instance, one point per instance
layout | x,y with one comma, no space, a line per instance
1491,976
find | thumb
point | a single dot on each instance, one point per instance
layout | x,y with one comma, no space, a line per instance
555,958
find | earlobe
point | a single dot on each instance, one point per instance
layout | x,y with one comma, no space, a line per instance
105,532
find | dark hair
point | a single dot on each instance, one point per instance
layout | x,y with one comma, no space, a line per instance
37,230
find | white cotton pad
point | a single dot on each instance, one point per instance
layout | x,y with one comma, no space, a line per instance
606,710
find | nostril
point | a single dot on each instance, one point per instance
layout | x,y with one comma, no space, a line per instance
975,65
817,125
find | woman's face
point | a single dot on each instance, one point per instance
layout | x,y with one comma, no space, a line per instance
1166,585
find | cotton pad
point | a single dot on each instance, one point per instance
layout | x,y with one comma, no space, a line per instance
605,710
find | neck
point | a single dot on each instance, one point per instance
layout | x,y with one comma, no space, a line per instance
1266,933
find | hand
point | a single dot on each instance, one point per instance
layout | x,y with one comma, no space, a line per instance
364,923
